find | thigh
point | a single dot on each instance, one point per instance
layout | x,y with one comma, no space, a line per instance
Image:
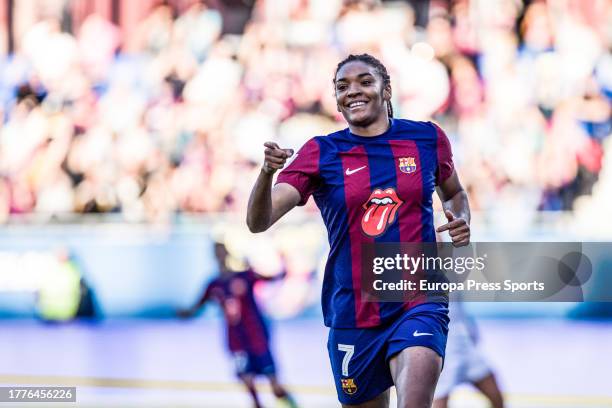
427,328
416,351
415,372
358,362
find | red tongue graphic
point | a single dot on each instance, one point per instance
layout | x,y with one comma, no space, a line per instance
376,218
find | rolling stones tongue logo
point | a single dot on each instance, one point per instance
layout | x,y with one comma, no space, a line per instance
380,211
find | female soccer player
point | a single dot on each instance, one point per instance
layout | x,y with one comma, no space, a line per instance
373,182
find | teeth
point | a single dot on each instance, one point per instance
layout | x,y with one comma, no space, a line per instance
354,104
383,201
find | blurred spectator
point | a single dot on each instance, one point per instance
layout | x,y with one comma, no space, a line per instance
169,116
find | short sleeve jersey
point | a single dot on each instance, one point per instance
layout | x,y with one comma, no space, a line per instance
369,190
246,328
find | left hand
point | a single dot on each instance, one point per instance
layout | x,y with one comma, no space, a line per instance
458,229
185,313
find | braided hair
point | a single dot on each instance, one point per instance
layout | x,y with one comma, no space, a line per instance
374,63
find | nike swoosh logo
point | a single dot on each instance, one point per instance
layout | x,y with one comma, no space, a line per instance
349,171
417,334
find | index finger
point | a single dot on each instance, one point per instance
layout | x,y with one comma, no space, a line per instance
271,145
444,227
458,222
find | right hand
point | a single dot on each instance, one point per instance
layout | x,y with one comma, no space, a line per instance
275,157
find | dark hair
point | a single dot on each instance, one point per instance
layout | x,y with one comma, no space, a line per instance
374,63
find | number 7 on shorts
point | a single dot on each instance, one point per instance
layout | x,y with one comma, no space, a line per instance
349,350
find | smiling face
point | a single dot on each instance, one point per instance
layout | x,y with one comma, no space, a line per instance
361,95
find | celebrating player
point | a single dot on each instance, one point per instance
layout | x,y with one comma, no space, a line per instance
373,183
247,334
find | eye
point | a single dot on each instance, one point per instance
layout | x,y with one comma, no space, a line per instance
341,87
366,82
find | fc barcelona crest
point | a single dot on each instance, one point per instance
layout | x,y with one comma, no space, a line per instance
348,385
407,165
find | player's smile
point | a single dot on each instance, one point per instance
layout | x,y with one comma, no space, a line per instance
356,105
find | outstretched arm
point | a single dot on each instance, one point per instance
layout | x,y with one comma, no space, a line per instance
457,210
194,309
267,204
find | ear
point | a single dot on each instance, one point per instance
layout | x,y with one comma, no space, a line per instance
387,93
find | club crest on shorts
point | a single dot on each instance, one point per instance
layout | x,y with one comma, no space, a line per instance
407,165
380,211
348,385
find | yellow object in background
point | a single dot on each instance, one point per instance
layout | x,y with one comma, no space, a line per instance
59,296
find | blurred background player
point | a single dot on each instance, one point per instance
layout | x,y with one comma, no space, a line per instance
247,334
464,363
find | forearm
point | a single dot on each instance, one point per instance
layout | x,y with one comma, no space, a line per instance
458,205
193,309
259,211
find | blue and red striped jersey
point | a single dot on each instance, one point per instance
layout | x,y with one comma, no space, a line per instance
246,328
369,190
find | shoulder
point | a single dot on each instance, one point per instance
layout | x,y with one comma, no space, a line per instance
415,127
332,138
439,131
324,144
311,145
442,139
418,130
339,134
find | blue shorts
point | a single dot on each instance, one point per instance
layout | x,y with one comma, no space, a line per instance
360,357
249,363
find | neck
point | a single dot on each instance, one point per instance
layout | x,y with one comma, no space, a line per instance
378,127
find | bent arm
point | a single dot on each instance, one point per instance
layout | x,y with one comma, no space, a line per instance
457,210
267,204
454,198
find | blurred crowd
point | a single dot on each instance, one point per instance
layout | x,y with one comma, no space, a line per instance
171,119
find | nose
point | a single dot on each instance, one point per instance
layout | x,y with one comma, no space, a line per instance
353,90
